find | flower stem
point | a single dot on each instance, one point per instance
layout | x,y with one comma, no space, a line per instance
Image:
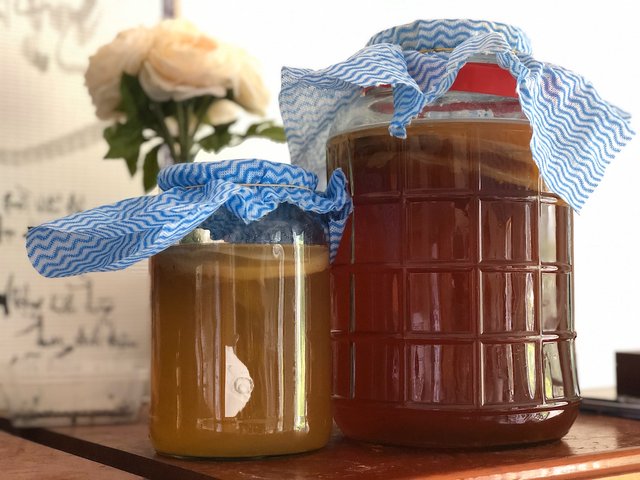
183,131
164,131
200,113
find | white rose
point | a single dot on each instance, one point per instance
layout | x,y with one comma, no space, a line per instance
124,54
183,63
223,111
249,89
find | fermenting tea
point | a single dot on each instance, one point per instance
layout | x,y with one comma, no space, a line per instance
240,353
452,289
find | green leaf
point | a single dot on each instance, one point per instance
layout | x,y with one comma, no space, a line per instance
267,129
124,140
253,129
201,104
150,168
220,138
135,102
275,133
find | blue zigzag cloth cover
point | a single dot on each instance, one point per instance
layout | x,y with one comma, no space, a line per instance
113,237
575,132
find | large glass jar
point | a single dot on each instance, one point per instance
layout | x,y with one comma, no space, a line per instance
241,361
453,287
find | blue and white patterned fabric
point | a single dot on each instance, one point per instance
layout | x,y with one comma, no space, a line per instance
113,237
575,132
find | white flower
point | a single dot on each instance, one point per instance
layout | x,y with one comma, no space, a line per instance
223,111
176,66
124,54
249,90
182,63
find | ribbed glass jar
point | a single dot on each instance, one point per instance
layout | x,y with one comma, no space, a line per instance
453,287
241,362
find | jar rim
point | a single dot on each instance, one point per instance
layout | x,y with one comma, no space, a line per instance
486,78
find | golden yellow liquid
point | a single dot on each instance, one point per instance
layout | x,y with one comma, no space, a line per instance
269,305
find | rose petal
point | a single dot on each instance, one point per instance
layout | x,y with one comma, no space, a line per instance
223,111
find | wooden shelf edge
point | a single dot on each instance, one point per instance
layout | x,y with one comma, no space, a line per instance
586,466
125,461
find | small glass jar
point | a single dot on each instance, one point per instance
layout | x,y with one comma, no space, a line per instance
453,288
241,360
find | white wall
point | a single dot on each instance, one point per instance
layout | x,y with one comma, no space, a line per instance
600,41
51,150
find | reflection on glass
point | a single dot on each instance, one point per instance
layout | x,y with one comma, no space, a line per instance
234,329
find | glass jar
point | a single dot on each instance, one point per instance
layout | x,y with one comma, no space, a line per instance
241,361
453,286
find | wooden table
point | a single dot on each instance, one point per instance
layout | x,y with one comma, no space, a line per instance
596,447
22,459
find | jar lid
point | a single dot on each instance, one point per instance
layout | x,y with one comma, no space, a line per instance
575,133
113,237
487,78
478,77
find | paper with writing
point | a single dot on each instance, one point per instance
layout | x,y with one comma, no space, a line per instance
51,165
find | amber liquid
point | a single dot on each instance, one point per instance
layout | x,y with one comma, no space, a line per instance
452,291
231,319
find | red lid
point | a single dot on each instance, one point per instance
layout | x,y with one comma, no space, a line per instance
487,78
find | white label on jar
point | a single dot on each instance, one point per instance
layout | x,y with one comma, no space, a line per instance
238,386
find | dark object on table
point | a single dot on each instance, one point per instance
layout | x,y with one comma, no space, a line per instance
615,408
628,375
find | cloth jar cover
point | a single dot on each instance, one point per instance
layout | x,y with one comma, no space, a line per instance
575,133
216,196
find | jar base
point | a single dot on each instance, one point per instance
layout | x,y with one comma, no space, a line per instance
442,429
240,456
230,447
